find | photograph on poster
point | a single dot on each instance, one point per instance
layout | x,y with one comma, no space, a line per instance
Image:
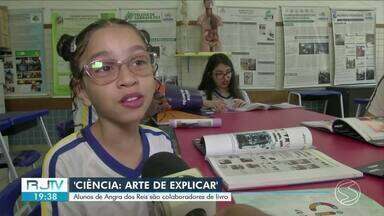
28,72
262,29
324,77
248,64
370,39
306,48
321,48
370,74
360,74
360,51
339,39
350,62
248,78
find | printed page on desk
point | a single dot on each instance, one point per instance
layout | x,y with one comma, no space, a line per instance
368,129
255,170
321,125
271,158
371,129
307,202
262,106
257,141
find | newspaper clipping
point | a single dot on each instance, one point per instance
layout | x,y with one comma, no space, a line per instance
306,41
354,42
249,33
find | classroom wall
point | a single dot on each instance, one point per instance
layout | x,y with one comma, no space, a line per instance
192,68
78,5
61,108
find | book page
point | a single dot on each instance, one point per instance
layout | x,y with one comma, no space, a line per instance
326,125
242,171
262,106
371,129
258,141
253,106
285,106
308,202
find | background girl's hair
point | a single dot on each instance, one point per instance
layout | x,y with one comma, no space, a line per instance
71,48
207,83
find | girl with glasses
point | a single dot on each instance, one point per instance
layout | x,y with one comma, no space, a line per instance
113,71
219,85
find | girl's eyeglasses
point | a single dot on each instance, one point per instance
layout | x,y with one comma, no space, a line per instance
222,74
105,71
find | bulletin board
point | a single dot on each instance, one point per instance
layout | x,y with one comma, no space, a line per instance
354,35
24,68
306,46
249,34
69,22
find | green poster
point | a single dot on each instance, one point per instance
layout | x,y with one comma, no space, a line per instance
69,22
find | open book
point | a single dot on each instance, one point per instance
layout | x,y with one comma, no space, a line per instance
347,201
262,106
368,129
269,158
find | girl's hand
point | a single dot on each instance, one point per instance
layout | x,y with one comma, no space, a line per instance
217,105
238,103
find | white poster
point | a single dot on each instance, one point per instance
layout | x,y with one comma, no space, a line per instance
24,63
161,25
354,42
249,34
306,45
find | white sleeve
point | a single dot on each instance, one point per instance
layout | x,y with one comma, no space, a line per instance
376,103
203,95
61,208
245,96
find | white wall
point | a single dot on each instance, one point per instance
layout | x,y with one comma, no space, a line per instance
191,73
47,6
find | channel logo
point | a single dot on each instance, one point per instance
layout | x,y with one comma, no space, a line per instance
347,192
44,185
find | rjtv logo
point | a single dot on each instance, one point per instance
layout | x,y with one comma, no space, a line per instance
44,185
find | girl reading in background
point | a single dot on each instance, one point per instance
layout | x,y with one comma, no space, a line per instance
219,85
113,71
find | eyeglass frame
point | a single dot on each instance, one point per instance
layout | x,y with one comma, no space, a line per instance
227,73
127,62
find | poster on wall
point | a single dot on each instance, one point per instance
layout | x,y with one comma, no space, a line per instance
354,44
161,25
249,34
24,62
69,22
306,46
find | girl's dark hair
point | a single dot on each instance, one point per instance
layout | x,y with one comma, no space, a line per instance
207,83
71,48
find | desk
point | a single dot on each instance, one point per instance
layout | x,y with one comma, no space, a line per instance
10,119
345,150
